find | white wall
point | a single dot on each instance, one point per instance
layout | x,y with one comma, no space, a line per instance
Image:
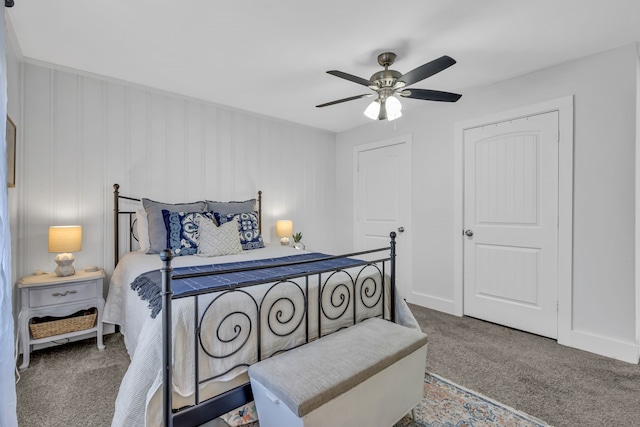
82,134
605,92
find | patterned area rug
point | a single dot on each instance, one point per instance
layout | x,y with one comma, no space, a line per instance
447,404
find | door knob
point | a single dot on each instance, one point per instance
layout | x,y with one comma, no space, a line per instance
400,229
468,233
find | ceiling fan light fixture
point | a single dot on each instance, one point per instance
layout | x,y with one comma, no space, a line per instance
393,107
373,110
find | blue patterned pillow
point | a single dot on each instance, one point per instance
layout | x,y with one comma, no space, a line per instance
182,231
250,237
157,228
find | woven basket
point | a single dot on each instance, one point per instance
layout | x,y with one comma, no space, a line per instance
76,322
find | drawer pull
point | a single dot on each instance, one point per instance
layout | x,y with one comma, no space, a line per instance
58,294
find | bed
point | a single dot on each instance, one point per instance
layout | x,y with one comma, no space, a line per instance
193,324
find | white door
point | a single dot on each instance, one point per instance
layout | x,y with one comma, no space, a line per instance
511,223
383,202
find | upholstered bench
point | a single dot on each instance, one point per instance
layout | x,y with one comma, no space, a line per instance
370,374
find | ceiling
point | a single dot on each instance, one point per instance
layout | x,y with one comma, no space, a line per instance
270,57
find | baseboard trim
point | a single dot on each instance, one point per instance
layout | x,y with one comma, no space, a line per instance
434,303
597,344
604,346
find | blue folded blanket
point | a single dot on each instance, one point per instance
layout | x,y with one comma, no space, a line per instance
149,284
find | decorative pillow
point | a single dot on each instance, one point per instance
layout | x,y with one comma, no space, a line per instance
248,227
142,229
182,231
226,208
216,241
157,229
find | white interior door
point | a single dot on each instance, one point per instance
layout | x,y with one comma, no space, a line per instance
383,202
511,223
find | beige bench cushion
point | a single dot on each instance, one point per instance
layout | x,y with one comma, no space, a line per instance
307,377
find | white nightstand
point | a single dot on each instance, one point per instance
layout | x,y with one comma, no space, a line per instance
49,295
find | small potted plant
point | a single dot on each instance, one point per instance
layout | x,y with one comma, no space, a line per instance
297,241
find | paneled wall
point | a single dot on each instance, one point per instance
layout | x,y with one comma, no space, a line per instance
83,133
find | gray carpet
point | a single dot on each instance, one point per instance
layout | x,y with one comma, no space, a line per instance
558,384
72,385
76,385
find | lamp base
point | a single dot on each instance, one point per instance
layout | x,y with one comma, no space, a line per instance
65,267
284,241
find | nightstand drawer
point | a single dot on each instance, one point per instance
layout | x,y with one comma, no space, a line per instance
55,295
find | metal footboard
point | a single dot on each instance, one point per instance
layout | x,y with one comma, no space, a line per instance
337,296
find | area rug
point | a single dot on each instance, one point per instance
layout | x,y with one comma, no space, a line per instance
447,404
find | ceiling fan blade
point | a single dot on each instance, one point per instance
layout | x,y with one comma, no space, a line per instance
350,77
430,95
351,98
427,70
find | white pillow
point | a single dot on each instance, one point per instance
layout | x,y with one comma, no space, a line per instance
216,241
142,229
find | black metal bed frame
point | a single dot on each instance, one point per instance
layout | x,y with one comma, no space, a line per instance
340,288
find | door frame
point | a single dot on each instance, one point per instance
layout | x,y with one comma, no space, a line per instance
564,107
406,245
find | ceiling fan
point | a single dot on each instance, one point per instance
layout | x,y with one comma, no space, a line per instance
388,83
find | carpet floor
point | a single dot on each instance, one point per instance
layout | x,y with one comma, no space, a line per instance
76,385
72,385
561,385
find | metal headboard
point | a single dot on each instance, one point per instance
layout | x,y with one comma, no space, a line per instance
131,215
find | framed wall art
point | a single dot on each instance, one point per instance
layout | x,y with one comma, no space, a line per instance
11,153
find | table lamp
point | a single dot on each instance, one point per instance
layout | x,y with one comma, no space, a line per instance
62,240
284,229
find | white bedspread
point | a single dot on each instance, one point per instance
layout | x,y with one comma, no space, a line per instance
139,400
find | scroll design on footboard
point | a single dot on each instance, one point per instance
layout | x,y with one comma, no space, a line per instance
278,316
338,295
233,332
278,321
284,306
371,287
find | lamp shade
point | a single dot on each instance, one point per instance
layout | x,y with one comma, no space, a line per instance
373,110
66,238
393,107
284,227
